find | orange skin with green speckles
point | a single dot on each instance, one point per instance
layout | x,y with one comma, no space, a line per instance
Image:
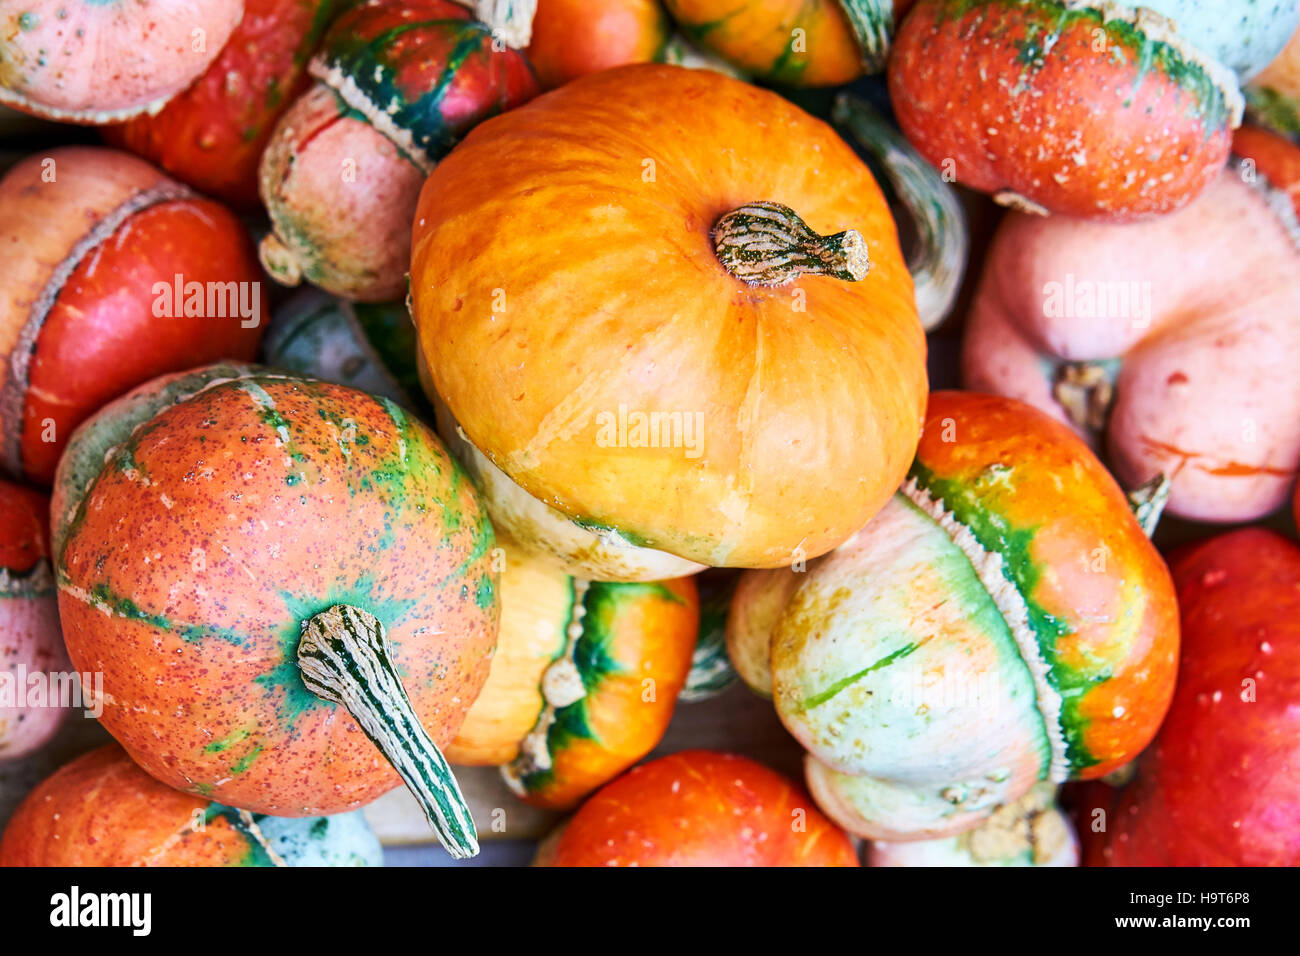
224,523
1097,571
575,37
700,808
1010,101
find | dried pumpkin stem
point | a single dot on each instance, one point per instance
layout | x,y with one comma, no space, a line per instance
344,658
766,243
1148,502
1085,390
872,23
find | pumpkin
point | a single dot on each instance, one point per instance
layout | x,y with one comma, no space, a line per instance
30,640
1003,620
1031,831
397,85
103,810
1273,98
1221,784
571,38
700,808
114,274
212,135
648,389
1159,341
253,549
106,62
794,42
1102,112
584,680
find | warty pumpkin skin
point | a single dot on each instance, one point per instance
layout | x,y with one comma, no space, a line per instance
1003,620
103,810
30,638
1096,112
398,84
584,680
1221,784
640,178
252,531
1160,341
700,808
105,62
89,239
211,136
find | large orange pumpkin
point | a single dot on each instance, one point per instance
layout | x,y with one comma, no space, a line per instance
621,306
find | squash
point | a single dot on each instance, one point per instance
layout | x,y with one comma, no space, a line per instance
30,639
1221,784
397,85
1031,831
105,62
1003,620
1102,112
571,38
1161,342
212,135
648,389
113,274
700,808
103,810
252,549
584,680
1273,97
794,42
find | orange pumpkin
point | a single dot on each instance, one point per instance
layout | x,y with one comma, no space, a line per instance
625,314
575,37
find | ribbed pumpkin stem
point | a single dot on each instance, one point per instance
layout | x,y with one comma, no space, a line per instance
1148,502
343,656
766,243
1085,391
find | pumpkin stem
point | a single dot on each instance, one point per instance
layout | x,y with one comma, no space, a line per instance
511,20
1085,391
766,243
344,658
278,260
1148,502
872,23
937,258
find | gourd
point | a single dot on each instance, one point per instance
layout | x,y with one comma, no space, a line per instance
114,274
105,62
571,38
794,42
1031,831
211,136
1221,784
103,810
584,681
252,549
1273,97
30,640
651,294
1160,342
1104,112
397,85
700,808
1003,620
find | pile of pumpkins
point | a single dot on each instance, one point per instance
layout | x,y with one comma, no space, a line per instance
601,298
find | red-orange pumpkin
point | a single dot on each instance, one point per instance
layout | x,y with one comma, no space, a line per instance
575,37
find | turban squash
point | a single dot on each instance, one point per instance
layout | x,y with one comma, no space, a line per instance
103,810
1161,342
692,356
1003,620
240,551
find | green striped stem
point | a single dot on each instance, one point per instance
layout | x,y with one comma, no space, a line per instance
872,23
711,669
766,243
937,259
1148,502
344,658
1274,111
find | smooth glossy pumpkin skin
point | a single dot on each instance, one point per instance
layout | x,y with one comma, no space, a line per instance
1198,339
574,37
932,682
1027,99
225,521
29,619
212,135
399,84
1221,784
533,345
73,340
79,61
701,808
632,645
103,810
